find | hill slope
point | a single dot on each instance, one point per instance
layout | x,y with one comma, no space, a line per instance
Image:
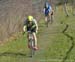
56,43
12,15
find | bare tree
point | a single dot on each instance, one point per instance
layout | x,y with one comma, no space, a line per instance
12,14
65,7
73,7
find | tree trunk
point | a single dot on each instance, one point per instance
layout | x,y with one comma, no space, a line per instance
65,8
73,7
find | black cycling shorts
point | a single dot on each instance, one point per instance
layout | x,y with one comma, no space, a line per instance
32,30
47,14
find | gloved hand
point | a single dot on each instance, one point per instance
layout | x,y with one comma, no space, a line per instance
23,33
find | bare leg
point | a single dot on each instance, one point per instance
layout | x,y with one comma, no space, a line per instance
35,39
45,19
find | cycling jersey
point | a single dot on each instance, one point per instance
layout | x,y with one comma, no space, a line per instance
31,26
47,9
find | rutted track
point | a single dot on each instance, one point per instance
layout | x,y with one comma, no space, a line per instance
72,45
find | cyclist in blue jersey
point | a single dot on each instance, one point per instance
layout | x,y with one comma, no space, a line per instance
47,11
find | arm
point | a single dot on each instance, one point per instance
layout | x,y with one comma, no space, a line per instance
44,10
24,27
50,10
35,25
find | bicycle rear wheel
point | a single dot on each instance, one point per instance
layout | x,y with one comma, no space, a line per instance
48,20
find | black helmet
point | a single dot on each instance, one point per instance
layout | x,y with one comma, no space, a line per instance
46,4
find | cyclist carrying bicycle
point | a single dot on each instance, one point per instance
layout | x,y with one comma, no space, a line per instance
47,11
31,25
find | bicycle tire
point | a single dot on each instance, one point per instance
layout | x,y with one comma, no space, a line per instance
32,51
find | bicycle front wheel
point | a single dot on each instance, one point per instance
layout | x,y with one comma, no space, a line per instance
32,51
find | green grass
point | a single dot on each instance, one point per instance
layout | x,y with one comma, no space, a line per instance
53,44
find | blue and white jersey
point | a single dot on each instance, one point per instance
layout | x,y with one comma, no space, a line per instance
47,9
50,8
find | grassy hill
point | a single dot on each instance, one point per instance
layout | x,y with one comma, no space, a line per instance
56,43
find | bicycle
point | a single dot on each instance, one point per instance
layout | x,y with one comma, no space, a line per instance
31,44
49,19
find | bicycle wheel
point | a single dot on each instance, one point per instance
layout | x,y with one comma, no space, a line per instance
32,51
48,20
47,24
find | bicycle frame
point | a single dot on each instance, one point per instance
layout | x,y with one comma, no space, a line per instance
49,19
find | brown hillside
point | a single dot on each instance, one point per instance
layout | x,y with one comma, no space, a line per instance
12,14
